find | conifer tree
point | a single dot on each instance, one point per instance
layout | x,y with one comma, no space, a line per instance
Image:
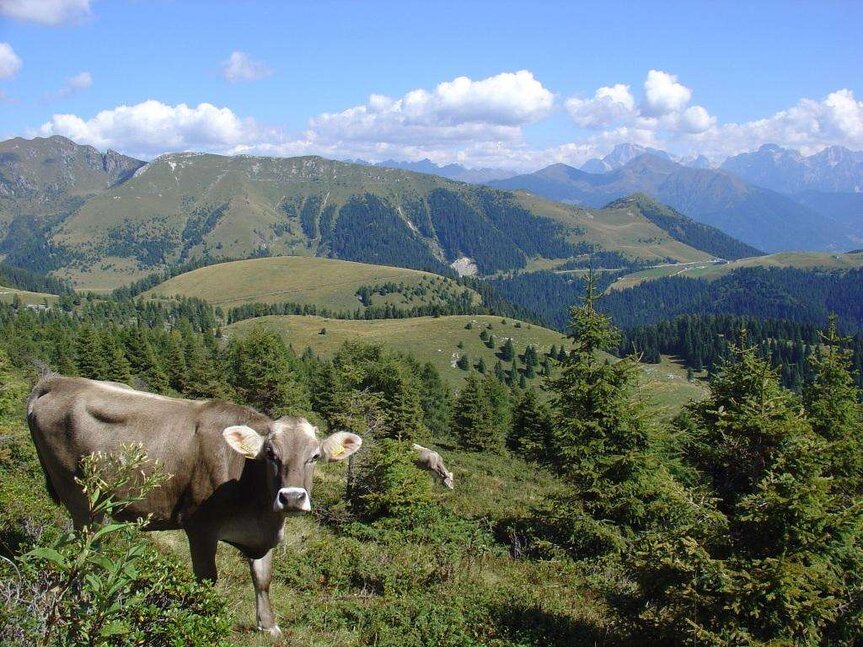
530,432
780,563
832,402
118,367
261,373
89,354
599,443
144,360
481,415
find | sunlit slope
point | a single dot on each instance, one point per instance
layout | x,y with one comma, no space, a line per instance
665,387
323,282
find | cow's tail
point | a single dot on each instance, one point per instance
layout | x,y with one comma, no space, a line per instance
40,389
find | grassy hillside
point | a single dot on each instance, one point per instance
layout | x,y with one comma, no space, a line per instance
429,339
711,271
323,282
436,340
7,295
616,228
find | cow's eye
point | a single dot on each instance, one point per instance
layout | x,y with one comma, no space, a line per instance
271,455
314,458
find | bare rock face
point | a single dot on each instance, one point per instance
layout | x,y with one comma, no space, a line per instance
45,170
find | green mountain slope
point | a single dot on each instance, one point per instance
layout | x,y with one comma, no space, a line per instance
185,206
686,230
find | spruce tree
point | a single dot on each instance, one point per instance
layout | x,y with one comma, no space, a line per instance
530,432
599,443
832,402
89,354
481,414
118,367
780,560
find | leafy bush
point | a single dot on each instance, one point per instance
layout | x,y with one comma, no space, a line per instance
101,584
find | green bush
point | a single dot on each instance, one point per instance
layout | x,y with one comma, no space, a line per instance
102,584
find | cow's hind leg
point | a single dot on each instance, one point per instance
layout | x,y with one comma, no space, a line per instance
262,574
203,548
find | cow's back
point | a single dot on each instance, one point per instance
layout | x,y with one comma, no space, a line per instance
70,418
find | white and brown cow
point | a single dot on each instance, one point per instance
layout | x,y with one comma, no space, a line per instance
235,473
429,460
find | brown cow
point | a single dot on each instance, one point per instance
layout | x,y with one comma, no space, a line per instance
235,472
431,461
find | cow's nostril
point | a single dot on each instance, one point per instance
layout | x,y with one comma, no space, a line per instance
283,498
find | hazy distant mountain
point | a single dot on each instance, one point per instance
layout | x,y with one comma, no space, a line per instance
760,217
620,156
699,161
835,169
451,171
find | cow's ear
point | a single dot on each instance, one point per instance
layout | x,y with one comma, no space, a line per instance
244,440
340,445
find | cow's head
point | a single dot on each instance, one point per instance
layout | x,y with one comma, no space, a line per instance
291,448
448,480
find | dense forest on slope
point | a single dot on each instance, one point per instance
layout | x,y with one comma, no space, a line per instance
705,341
20,279
767,293
548,294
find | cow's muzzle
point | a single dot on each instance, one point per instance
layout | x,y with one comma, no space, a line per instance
293,498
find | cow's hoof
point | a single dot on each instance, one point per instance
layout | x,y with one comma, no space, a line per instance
272,632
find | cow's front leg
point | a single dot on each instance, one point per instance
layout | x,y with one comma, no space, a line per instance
203,549
262,573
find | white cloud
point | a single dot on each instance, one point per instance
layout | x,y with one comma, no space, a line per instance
665,108
241,67
808,126
73,84
460,110
10,63
610,105
47,12
663,94
151,127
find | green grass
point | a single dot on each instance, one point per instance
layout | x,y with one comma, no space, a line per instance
7,295
323,282
436,339
711,271
428,339
622,230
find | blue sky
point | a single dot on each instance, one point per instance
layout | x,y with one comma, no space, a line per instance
537,82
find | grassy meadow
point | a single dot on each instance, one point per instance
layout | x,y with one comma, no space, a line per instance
324,282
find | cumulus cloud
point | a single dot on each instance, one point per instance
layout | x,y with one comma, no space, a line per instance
609,105
241,67
72,85
489,109
152,127
10,63
663,94
808,126
665,108
46,12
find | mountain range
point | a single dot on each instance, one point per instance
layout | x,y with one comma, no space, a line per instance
758,216
119,219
